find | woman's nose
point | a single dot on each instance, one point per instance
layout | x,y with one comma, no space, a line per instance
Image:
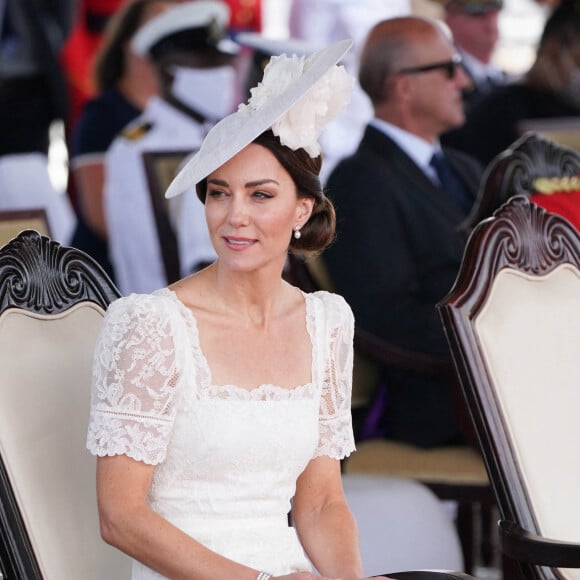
238,212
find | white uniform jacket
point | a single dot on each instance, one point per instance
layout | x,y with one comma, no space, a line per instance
133,239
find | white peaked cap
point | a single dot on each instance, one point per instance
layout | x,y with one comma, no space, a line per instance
183,16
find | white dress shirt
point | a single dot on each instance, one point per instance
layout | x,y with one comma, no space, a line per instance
419,150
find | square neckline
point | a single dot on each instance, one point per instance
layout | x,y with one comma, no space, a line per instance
263,388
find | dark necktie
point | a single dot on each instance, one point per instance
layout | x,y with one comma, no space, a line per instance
8,37
450,183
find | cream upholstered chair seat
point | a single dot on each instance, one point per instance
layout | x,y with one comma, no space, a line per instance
52,301
520,346
513,324
402,525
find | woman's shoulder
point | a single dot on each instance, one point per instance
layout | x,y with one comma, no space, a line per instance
334,306
158,304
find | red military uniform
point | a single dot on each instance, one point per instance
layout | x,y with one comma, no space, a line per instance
564,203
245,15
77,54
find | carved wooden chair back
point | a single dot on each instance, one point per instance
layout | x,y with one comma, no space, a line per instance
52,301
512,321
529,167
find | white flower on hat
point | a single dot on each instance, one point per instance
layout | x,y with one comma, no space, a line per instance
302,124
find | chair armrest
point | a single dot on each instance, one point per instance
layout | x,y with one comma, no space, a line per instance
525,546
394,356
428,575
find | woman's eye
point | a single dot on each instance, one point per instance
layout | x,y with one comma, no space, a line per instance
262,195
216,193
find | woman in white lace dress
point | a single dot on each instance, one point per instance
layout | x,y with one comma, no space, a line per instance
223,402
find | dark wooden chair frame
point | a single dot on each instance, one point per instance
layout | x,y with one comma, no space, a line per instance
160,168
520,236
514,171
40,275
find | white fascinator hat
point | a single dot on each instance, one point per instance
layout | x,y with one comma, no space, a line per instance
297,96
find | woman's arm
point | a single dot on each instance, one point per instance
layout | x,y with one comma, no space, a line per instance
128,523
324,522
325,525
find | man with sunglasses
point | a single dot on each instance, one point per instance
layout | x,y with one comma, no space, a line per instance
398,245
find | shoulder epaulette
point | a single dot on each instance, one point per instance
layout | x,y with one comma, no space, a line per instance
134,132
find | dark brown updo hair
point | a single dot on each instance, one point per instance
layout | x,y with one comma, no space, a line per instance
318,231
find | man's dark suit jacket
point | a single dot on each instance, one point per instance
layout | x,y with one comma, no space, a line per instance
397,252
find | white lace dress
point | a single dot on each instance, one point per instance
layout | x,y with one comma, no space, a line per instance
226,458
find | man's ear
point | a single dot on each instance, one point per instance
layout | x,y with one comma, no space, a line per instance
402,87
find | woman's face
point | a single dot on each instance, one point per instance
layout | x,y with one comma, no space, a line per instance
252,208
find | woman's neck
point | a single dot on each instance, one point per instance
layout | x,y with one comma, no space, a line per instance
256,297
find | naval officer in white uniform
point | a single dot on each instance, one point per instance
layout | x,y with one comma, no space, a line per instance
194,58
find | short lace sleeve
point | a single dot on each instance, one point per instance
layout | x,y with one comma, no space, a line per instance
336,437
135,377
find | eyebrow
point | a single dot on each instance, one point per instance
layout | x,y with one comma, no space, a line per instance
249,184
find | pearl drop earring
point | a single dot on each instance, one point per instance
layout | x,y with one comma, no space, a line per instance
297,234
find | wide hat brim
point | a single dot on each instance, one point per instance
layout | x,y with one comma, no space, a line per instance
276,46
236,131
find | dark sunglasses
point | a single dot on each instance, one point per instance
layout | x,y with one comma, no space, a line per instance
449,67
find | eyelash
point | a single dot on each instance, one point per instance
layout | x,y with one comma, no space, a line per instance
215,193
257,194
262,195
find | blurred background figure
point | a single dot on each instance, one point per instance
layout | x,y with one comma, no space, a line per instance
399,200
89,31
322,22
90,23
32,97
125,82
550,89
475,28
194,61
